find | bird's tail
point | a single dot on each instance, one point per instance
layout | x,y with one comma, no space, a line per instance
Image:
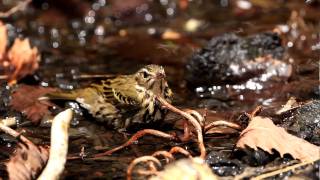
72,95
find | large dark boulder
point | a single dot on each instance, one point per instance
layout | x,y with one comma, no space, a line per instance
226,59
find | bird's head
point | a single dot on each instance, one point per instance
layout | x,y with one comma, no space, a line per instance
151,77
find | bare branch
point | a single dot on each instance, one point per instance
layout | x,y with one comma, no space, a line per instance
21,6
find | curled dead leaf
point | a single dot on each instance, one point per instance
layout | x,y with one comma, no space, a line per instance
183,4
3,40
263,133
20,60
291,104
27,162
171,35
25,100
23,58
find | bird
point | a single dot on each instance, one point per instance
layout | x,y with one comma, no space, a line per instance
123,100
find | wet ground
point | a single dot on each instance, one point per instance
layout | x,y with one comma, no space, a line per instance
117,37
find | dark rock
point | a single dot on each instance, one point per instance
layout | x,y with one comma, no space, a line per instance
226,58
5,97
304,122
222,165
77,112
255,157
5,110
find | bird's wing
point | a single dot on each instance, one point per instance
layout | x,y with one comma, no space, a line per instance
119,90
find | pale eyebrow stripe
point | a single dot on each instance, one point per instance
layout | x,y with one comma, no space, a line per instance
146,71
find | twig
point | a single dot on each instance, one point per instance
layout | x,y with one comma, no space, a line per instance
59,146
222,123
223,133
197,115
135,137
255,112
153,170
191,119
21,6
292,167
3,77
146,172
291,104
186,132
168,156
180,150
250,172
139,160
14,133
11,121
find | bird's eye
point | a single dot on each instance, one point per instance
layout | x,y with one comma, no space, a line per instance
145,75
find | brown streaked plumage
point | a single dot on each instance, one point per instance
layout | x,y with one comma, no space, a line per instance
125,99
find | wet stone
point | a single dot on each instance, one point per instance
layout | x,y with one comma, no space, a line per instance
225,59
221,165
255,157
77,112
5,110
5,97
7,139
304,122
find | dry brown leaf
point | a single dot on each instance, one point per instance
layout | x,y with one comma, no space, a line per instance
291,104
25,100
171,35
183,4
262,133
3,40
20,60
23,58
27,162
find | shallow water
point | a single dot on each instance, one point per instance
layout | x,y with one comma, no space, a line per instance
118,37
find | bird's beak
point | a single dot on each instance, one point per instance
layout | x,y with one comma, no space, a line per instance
160,76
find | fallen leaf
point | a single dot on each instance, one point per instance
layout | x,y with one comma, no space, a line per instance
262,133
171,35
291,104
25,100
23,59
183,4
20,60
3,40
27,162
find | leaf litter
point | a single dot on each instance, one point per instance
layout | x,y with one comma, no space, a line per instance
27,162
264,134
25,99
18,61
